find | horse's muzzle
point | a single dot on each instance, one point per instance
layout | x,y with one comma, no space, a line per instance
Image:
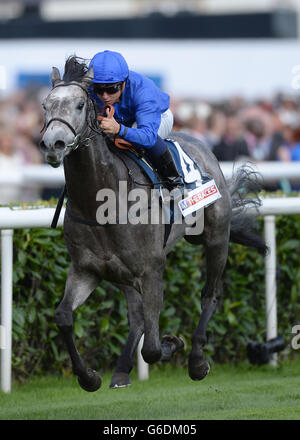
58,146
53,160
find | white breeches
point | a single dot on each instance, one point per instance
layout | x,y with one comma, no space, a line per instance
166,124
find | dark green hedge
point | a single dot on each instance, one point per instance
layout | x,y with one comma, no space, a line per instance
40,268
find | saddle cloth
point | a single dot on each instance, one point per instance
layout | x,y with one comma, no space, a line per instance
186,166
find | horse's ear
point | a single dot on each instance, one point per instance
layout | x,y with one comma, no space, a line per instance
55,76
88,77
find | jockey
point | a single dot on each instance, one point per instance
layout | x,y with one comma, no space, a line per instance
142,115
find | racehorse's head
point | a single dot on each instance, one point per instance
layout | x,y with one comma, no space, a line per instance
66,109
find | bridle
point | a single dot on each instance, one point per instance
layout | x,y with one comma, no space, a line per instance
80,139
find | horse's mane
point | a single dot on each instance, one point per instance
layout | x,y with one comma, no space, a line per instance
75,69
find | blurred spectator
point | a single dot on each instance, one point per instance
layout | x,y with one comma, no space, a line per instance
232,145
283,151
291,149
215,128
11,162
290,123
20,124
255,136
262,141
295,150
198,122
277,137
195,127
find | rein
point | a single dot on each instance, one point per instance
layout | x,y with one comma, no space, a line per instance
120,143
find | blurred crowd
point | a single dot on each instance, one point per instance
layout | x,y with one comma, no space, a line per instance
20,124
235,129
262,130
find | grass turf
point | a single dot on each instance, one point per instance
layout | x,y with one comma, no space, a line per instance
240,392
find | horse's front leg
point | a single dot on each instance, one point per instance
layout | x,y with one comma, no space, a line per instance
121,377
79,286
216,246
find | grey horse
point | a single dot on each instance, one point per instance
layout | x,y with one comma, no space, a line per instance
132,256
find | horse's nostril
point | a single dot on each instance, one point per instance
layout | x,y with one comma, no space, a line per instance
43,146
60,145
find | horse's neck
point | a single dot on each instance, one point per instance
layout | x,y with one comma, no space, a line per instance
88,170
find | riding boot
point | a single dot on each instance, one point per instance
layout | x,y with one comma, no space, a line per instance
167,170
162,160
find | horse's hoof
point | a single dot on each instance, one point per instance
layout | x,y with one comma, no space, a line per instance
169,346
91,381
150,357
120,380
198,370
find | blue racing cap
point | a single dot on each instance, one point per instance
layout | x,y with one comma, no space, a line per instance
109,67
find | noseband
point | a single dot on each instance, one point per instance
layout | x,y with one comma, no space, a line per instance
78,136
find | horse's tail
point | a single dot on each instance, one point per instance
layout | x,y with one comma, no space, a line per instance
244,187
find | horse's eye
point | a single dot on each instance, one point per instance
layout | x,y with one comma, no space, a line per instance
80,106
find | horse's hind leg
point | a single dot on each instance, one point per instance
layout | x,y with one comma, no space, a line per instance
216,238
79,286
121,377
152,296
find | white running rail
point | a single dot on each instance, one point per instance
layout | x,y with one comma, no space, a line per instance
44,175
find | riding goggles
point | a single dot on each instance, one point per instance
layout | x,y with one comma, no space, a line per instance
99,89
